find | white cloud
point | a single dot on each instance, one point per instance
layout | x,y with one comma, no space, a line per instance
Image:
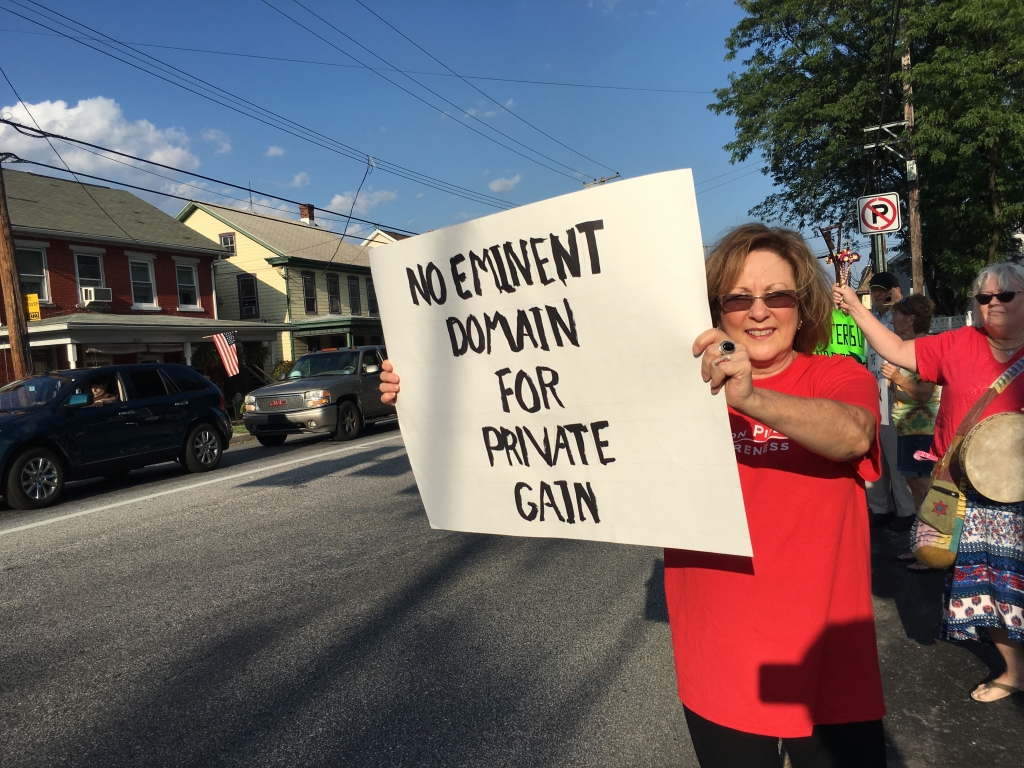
99,121
365,202
273,151
419,195
605,6
510,104
505,185
301,179
222,140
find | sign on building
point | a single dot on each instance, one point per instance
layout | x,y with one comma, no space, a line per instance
32,307
877,214
548,387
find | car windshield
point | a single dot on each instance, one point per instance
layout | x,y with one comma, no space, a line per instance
28,393
325,364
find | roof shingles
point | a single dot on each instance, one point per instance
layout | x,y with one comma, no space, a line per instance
62,207
289,238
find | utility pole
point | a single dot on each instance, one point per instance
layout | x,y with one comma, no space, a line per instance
913,190
17,326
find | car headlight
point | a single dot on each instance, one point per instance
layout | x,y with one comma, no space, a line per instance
316,397
250,403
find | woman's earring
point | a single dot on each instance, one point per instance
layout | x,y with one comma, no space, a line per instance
799,325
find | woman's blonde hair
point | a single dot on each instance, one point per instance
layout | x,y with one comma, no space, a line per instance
814,299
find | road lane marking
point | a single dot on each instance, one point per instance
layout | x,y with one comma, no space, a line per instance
190,486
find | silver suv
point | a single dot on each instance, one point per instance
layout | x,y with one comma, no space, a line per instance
334,393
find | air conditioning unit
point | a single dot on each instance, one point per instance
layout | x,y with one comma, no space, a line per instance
91,295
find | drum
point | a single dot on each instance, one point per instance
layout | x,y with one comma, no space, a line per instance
992,456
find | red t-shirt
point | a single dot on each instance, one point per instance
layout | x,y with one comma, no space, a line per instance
777,643
961,361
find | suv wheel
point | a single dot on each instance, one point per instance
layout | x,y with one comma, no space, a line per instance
36,480
271,440
350,422
203,448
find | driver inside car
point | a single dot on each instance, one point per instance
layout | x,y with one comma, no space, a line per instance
100,394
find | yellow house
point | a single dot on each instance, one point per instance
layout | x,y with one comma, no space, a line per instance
281,270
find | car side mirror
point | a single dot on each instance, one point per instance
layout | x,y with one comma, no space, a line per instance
79,400
373,369
282,376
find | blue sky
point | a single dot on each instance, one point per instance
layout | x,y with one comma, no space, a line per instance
635,43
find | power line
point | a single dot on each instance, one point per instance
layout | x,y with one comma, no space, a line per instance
268,117
730,181
420,98
97,202
482,93
39,133
388,69
15,159
730,173
348,151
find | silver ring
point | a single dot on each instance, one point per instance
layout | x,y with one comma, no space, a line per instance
727,347
722,359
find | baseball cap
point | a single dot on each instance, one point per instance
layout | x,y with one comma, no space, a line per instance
885,280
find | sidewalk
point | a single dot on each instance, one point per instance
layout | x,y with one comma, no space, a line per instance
931,720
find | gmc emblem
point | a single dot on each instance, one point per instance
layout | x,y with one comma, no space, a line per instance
275,403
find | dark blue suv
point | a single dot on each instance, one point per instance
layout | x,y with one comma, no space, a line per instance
106,422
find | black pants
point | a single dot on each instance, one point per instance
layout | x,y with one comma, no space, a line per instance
849,745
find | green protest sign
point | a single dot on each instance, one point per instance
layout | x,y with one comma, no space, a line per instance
847,339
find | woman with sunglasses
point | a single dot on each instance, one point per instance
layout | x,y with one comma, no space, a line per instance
781,645
984,596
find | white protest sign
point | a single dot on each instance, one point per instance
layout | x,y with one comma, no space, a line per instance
548,388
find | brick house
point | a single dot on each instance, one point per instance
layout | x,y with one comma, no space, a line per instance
118,280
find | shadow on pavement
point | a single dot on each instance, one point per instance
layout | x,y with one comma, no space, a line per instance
656,604
448,699
917,595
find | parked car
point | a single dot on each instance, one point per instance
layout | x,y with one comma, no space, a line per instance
93,422
325,393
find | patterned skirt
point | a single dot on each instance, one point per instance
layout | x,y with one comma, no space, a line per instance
986,585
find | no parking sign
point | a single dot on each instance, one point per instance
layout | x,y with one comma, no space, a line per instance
879,213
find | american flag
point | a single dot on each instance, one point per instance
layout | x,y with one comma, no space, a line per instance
225,343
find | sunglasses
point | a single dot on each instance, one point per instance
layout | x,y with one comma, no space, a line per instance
741,302
1004,298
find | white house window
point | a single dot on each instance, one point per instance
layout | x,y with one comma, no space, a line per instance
188,287
143,289
32,272
90,270
228,241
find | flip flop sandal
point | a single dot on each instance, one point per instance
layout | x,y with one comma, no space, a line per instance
919,568
989,685
906,557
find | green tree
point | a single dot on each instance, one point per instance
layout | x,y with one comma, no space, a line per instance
815,78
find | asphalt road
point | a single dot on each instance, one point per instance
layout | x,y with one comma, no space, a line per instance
293,608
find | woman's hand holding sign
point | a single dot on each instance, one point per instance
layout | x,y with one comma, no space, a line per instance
725,365
389,383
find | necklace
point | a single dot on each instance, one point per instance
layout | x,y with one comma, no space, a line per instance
1008,351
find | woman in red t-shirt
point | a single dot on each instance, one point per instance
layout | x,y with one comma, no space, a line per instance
783,644
986,587
780,645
